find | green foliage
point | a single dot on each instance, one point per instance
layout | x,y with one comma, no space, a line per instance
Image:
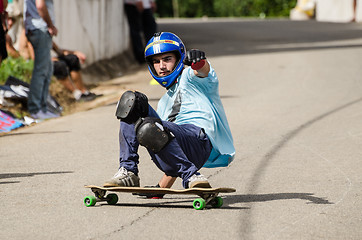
164,8
196,8
227,8
16,67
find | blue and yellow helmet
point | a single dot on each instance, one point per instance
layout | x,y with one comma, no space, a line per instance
164,42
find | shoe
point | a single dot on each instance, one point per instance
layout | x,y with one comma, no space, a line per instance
94,95
89,96
41,115
77,94
123,178
52,115
198,181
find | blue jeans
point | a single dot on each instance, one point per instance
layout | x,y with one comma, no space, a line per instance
42,72
182,157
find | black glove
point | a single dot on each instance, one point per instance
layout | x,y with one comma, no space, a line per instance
150,195
194,56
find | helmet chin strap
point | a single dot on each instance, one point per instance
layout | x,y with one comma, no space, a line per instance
172,84
175,81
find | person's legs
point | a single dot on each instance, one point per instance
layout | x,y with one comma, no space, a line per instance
148,24
67,71
61,72
73,65
66,82
76,76
182,152
3,52
134,22
42,71
185,154
129,144
128,154
186,151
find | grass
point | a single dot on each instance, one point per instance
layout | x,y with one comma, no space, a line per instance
16,67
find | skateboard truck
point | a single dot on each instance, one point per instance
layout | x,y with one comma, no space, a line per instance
111,198
207,199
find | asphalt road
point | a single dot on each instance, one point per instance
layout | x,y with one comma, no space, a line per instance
292,92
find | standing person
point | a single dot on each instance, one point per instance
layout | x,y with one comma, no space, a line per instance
39,26
140,19
189,130
66,67
149,25
3,30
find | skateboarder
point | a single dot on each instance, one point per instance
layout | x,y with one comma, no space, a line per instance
189,130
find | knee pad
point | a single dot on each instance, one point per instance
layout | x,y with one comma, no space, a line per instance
152,134
60,70
132,106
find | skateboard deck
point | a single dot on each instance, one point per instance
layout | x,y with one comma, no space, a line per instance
208,196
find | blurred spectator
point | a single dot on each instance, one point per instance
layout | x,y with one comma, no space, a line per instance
67,69
15,19
39,26
140,19
338,10
12,52
149,25
354,10
304,10
3,30
66,65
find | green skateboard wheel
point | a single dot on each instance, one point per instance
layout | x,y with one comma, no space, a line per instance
217,202
112,199
199,204
90,201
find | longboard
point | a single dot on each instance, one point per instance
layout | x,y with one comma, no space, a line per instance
208,196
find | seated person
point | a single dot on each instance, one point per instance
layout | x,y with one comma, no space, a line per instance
67,68
66,65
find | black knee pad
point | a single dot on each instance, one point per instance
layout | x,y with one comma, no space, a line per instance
132,106
152,134
60,69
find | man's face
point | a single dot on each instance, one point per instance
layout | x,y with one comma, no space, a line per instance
164,63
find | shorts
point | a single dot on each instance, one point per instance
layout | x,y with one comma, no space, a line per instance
65,65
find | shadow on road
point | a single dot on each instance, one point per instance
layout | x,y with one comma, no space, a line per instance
29,133
22,175
247,198
173,203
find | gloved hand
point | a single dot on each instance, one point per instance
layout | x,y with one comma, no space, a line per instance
150,195
195,58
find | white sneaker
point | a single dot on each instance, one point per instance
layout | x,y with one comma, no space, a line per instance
198,181
123,178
